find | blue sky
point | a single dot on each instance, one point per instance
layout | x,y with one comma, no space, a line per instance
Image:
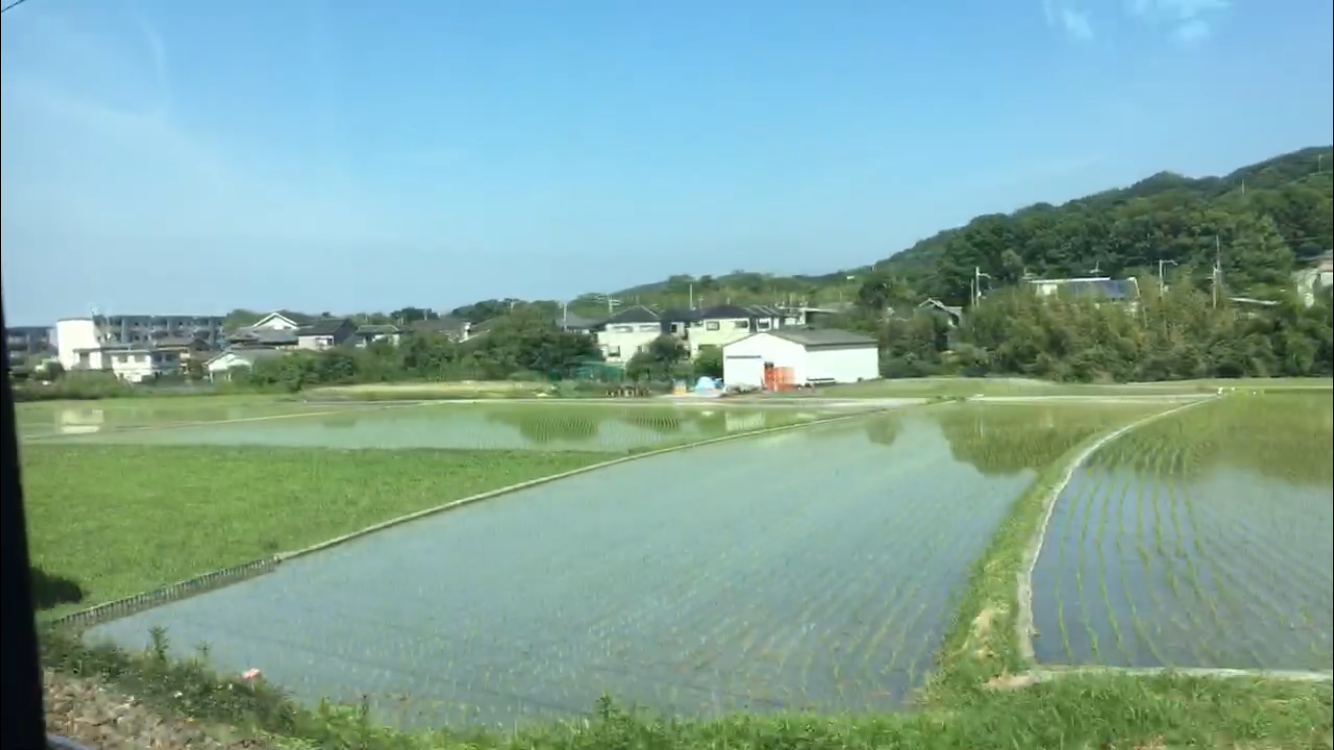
171,156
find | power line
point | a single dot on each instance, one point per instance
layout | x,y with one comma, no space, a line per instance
12,5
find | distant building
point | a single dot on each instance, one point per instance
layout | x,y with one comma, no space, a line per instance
145,330
1097,287
23,342
325,334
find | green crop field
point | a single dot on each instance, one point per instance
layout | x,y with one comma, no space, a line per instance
128,496
808,569
1201,540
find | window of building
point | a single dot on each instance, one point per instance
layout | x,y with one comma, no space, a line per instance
622,329
712,325
761,325
743,325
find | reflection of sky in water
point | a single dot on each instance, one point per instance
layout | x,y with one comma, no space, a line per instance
1232,569
811,569
457,426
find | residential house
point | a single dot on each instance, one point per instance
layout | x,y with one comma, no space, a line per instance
23,342
187,348
277,329
1319,276
723,324
324,334
627,332
369,334
132,364
454,328
1097,287
252,338
950,314
804,356
228,363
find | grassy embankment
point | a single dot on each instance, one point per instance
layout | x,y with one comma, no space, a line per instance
1021,387
140,544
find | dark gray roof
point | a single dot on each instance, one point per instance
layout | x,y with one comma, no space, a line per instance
680,315
727,312
442,324
251,356
636,314
816,338
325,327
270,336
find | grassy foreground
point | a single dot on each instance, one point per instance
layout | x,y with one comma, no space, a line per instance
228,505
967,703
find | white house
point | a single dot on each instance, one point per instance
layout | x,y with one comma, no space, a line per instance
222,366
815,356
627,333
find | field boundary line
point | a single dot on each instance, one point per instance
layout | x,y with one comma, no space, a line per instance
189,587
1024,619
1048,673
471,499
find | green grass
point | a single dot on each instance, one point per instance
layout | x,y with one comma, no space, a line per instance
1079,712
1018,387
120,519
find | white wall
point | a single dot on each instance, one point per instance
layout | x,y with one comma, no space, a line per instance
74,334
628,341
843,365
743,361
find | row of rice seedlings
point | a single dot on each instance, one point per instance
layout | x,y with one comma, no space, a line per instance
1068,497
1115,484
1086,502
1165,476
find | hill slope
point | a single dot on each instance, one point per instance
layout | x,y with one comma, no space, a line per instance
1261,221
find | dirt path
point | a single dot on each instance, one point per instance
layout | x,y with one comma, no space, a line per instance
101,719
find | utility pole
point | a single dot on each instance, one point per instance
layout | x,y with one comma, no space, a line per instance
1162,285
692,295
1218,267
978,275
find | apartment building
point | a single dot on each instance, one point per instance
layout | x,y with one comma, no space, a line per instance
23,342
145,330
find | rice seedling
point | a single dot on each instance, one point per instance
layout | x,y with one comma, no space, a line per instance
1230,539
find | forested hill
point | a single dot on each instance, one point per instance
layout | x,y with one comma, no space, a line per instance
1261,221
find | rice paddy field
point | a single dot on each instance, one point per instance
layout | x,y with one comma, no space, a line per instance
600,428
809,569
1200,540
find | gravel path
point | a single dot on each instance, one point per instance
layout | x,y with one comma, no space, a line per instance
100,719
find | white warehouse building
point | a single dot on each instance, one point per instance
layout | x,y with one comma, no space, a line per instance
814,356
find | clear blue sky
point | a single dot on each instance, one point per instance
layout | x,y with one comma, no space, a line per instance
200,155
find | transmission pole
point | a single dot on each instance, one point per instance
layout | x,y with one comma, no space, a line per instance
1218,267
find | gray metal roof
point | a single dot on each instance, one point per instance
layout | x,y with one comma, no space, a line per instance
816,338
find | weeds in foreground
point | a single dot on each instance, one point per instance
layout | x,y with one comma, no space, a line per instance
1109,711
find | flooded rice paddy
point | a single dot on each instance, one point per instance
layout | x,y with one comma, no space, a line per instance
1201,540
806,569
557,426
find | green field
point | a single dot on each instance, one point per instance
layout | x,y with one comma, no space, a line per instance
180,487
155,493
1202,540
